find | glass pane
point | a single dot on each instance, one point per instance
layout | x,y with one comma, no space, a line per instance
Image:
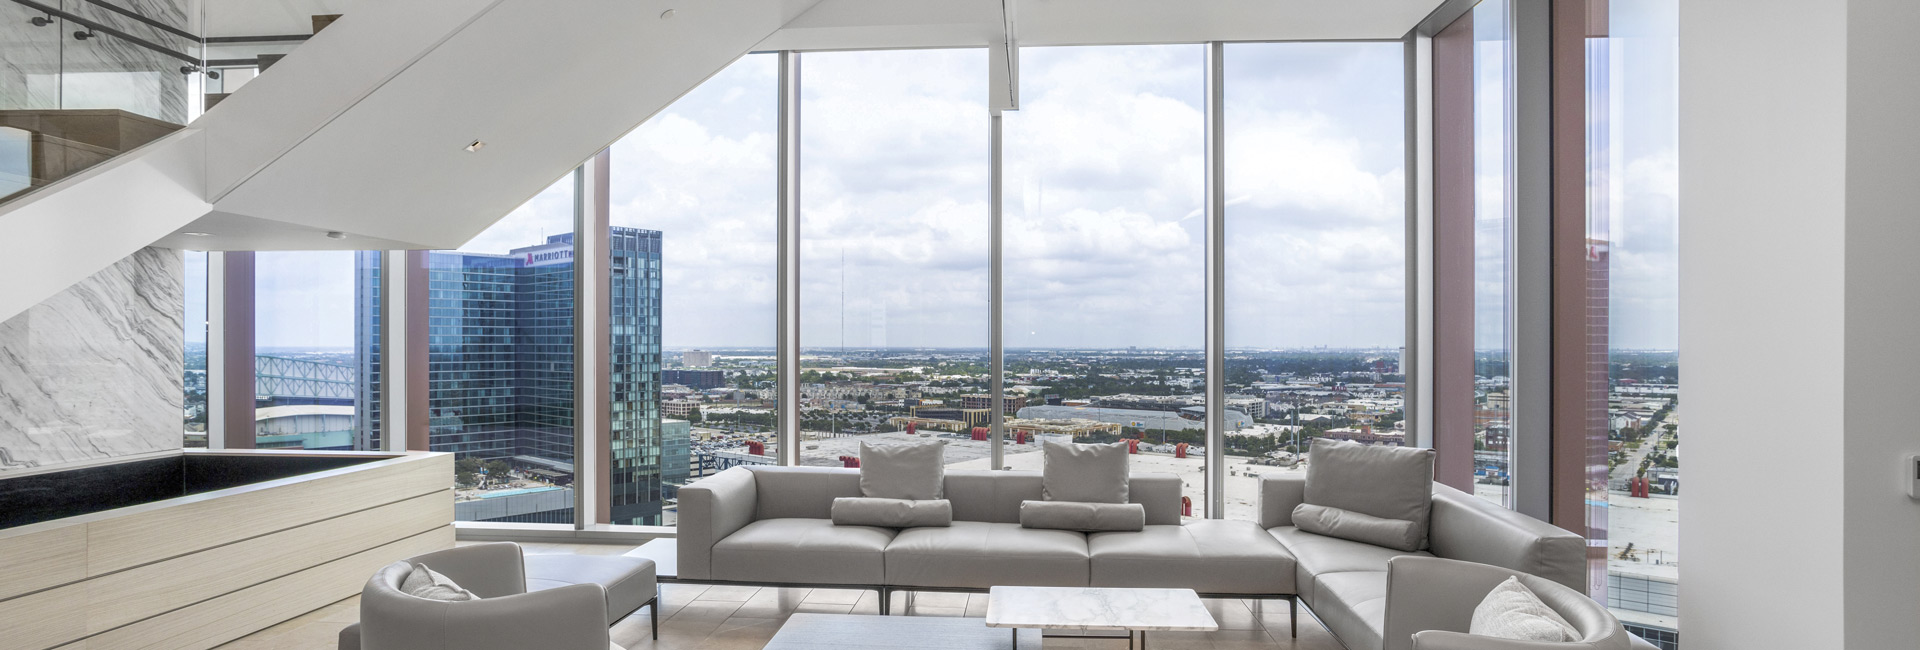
1104,256
894,252
1492,255
1633,233
695,252
306,364
1316,253
500,363
107,71
194,402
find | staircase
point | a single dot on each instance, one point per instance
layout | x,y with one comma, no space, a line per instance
38,147
362,131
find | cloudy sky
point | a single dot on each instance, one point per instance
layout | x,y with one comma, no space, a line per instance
1103,195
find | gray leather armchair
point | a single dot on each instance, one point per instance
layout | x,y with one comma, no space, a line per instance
507,617
1430,603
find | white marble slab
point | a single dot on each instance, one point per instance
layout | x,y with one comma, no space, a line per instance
95,372
1092,608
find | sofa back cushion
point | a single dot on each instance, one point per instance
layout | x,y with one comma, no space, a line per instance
1378,481
903,471
1086,473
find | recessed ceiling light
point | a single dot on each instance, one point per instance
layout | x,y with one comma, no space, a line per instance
197,234
668,14
476,146
336,235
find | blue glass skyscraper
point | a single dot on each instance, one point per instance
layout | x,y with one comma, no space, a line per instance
500,368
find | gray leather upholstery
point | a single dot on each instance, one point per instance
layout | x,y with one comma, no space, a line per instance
573,617
1468,528
978,554
1279,495
1319,555
803,550
1210,556
984,495
710,510
800,492
628,581
1353,605
1083,516
1430,601
1380,481
500,569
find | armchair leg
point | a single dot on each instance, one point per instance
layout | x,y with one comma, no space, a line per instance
653,608
886,601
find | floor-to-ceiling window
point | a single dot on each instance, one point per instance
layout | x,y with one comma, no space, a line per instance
307,363
694,251
1104,254
1633,244
1492,254
894,252
500,363
1316,254
194,335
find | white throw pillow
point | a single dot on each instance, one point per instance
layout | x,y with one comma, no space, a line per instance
1512,611
426,583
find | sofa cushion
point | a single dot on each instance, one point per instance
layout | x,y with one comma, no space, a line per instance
1398,534
1210,556
1091,473
803,550
1380,481
995,495
629,581
891,513
1319,555
1353,606
978,554
905,471
1082,516
1511,611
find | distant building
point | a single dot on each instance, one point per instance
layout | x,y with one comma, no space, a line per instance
304,427
1254,407
1013,403
676,447
695,379
978,417
679,408
1139,419
696,359
1367,436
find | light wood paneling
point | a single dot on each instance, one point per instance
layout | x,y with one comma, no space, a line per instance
121,598
43,619
124,542
223,619
202,570
36,561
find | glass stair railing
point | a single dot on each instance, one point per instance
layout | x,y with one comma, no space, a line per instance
82,81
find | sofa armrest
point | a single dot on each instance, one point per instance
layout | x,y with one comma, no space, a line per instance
710,510
488,570
1279,494
1430,605
1468,528
1437,640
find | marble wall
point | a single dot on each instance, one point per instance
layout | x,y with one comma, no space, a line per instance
44,67
96,371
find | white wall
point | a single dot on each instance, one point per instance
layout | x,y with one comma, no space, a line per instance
1883,323
1799,156
1763,187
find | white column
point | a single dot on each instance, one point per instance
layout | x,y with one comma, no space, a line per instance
1216,283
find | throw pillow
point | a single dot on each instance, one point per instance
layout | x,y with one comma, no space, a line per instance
1347,524
1086,473
1512,611
427,583
892,513
1378,481
910,471
1082,516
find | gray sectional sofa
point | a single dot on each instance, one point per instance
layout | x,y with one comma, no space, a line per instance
768,525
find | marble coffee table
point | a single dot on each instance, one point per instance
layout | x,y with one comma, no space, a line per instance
1088,609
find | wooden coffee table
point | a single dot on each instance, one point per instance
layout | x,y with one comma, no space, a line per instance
1088,609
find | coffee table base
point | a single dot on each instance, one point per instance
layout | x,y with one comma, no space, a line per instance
1044,636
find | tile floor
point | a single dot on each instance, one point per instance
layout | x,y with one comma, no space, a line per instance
700,617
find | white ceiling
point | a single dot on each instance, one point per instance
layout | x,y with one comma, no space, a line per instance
546,84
